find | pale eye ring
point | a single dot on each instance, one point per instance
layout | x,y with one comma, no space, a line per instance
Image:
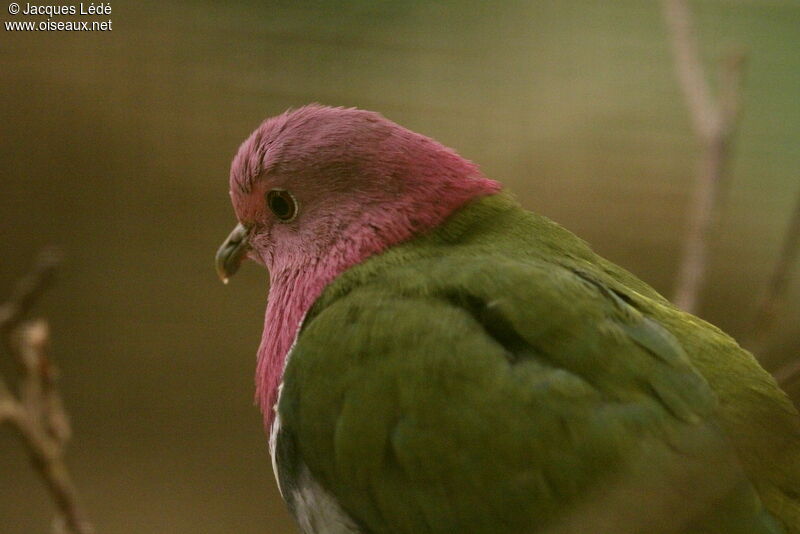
282,204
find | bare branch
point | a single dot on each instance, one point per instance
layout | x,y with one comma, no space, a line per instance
28,288
689,69
714,123
779,281
5,393
37,413
788,373
730,92
8,406
774,300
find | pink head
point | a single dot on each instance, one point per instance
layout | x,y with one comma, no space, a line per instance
318,190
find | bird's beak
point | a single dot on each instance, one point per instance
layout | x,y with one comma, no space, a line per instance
232,252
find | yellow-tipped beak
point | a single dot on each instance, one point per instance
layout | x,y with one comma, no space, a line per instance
232,252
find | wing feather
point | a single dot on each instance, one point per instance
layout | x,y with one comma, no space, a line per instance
509,396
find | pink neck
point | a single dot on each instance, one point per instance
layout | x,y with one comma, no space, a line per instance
296,281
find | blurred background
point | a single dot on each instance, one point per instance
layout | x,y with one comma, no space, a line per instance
116,147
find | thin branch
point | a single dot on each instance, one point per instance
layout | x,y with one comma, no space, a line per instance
37,412
774,300
714,122
788,373
27,290
689,69
779,281
8,406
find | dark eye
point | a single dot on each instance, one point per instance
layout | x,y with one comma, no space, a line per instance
283,204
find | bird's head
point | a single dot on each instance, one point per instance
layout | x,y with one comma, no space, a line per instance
320,189
320,180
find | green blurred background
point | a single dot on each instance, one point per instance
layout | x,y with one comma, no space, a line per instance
116,147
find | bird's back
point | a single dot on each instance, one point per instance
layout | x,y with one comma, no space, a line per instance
758,417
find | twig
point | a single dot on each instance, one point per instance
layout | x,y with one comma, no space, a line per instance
774,299
8,407
788,373
28,288
714,122
36,412
778,283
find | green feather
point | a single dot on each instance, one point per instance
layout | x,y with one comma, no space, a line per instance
495,375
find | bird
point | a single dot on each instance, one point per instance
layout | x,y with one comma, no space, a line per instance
437,359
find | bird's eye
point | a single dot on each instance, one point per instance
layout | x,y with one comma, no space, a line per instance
283,204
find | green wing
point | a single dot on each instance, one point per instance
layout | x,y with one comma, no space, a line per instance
500,395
